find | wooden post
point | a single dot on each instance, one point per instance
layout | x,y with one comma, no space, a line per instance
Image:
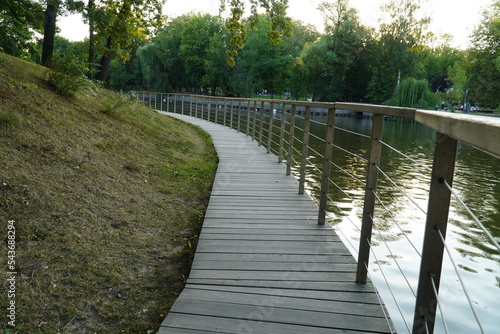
270,127
305,150
325,179
209,108
231,115
239,115
225,112
217,112
248,117
161,101
369,203
191,105
168,102
291,139
175,104
254,119
282,133
437,220
261,121
182,104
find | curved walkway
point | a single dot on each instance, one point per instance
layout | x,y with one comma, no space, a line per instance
262,264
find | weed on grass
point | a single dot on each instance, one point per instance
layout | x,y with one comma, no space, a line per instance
107,201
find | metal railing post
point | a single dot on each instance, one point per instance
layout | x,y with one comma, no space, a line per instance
282,133
168,102
325,179
182,104
225,111
305,149
291,140
161,101
261,121
437,219
369,202
175,104
156,101
270,127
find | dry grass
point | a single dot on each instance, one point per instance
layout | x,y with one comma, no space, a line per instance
107,198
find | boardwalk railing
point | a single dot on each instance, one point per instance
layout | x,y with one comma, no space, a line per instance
273,124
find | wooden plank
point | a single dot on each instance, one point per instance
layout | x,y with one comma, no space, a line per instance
262,258
342,293
267,237
272,266
298,274
290,286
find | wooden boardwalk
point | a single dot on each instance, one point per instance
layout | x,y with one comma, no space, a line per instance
263,265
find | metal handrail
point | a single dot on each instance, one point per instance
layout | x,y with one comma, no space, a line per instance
450,128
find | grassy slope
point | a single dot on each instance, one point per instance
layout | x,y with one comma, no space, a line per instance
107,203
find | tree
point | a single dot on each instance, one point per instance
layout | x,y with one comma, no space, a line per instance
216,68
413,93
123,25
281,25
484,58
197,37
19,20
398,48
343,50
267,65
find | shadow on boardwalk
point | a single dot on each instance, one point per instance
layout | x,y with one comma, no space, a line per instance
262,264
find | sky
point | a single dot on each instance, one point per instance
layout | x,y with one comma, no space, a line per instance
457,18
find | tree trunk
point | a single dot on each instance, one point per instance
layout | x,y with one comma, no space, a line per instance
105,63
49,34
90,12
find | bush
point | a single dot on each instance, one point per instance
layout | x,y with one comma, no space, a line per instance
8,119
67,75
413,93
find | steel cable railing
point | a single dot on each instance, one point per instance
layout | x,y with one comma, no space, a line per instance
283,133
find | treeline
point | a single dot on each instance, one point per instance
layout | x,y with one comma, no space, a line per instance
348,62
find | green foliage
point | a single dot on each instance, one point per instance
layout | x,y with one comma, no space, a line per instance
266,66
8,119
339,58
484,58
281,25
413,93
67,75
19,20
398,48
117,105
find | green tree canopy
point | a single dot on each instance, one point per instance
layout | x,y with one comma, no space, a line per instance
281,25
123,25
484,58
19,20
398,48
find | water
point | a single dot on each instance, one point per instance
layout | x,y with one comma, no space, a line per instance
398,235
